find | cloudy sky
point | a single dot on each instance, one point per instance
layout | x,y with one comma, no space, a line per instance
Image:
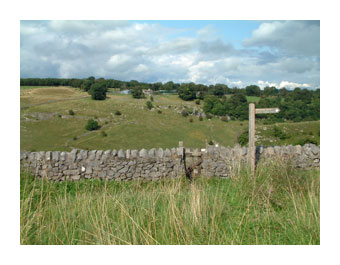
236,53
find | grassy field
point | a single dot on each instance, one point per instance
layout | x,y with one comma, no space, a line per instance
279,206
46,124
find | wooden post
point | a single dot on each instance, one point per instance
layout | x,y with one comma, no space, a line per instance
252,149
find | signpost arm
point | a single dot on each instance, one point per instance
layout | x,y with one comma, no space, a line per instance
252,149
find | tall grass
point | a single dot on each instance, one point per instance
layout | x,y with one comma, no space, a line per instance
280,206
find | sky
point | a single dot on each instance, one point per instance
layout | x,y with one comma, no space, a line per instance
235,53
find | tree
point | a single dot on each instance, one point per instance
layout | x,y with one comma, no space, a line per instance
137,92
187,91
98,91
253,90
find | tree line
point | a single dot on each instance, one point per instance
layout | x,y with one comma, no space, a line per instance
219,99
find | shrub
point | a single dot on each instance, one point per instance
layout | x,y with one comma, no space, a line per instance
151,98
98,91
243,138
159,111
197,101
75,138
200,118
209,116
59,115
103,133
149,105
137,92
191,120
118,113
71,112
210,142
184,113
92,125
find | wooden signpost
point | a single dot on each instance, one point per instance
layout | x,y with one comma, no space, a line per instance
252,149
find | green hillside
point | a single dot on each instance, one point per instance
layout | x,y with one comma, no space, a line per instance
47,125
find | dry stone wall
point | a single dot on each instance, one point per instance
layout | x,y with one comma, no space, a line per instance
155,164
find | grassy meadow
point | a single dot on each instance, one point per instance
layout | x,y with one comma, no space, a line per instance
280,206
46,124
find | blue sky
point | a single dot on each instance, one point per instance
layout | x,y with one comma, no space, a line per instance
236,53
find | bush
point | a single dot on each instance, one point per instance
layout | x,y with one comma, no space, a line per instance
210,142
118,113
151,98
184,113
159,111
71,112
92,125
75,138
198,102
98,91
137,92
200,118
209,116
149,105
191,120
243,138
103,133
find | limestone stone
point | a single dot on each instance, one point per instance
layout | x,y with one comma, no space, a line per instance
128,154
152,153
92,155
143,153
62,156
167,153
48,156
114,153
160,153
99,154
134,153
121,154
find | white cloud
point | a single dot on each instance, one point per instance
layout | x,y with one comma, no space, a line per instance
149,52
292,85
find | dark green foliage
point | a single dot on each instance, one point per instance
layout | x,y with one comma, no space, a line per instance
118,113
92,125
184,113
103,133
149,105
159,111
210,142
236,106
187,91
137,92
198,101
71,112
75,138
243,138
98,91
253,90
151,98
